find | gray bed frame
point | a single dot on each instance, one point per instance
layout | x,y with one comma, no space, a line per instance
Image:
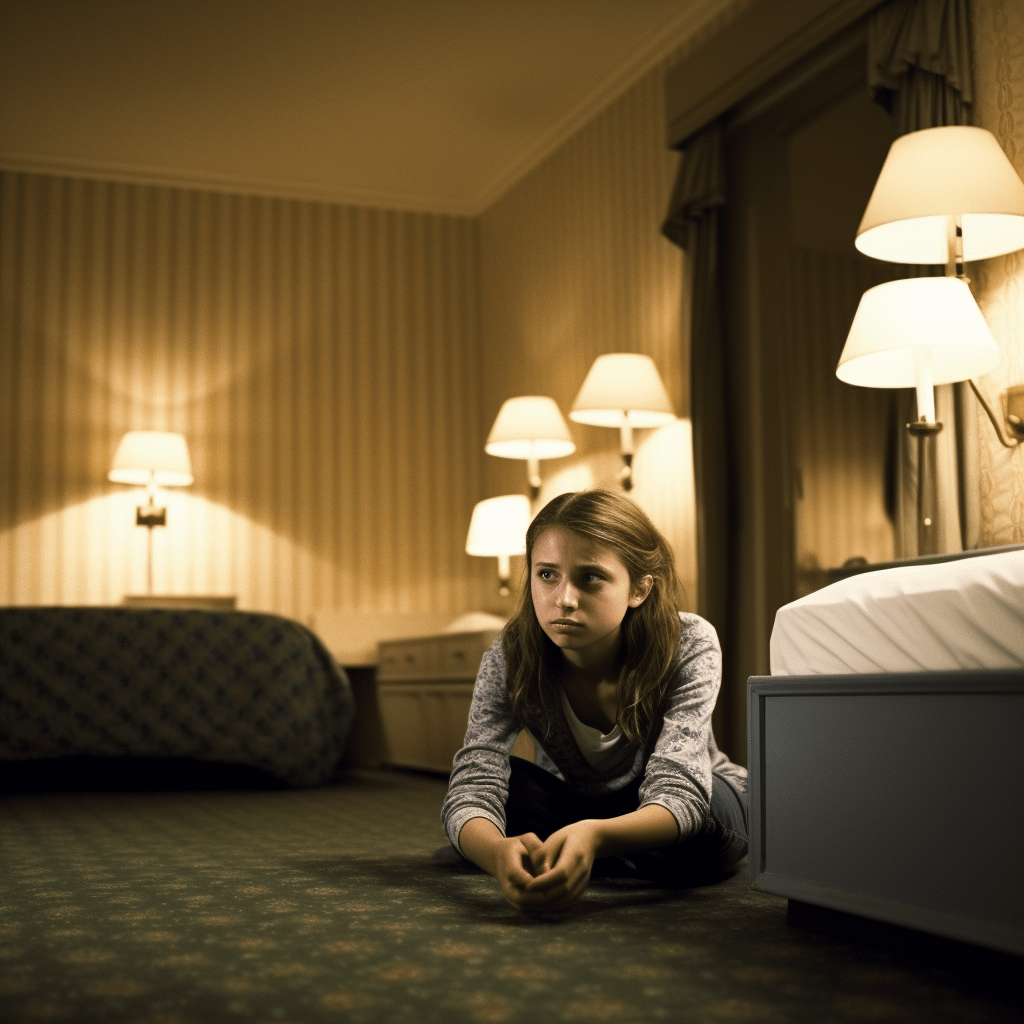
894,797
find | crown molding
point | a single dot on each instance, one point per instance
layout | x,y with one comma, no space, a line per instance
130,174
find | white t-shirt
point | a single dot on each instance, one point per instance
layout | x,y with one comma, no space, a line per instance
604,751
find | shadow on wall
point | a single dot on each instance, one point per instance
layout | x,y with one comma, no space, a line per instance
274,456
74,402
277,468
91,551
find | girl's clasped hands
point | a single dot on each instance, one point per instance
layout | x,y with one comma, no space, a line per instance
545,877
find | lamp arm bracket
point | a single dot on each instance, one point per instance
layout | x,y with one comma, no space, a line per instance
992,418
626,473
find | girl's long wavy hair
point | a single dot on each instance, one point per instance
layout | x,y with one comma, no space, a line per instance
650,632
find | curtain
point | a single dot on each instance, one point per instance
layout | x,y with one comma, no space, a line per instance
919,69
919,62
693,223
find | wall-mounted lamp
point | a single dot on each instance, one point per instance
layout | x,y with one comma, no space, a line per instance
916,333
530,427
947,195
498,528
623,390
151,459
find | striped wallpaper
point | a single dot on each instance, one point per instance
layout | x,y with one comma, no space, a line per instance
322,361
335,370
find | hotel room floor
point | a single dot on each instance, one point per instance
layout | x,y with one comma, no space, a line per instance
301,906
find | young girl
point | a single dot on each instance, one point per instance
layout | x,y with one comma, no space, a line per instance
617,688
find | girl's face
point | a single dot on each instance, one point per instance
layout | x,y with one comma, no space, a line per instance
581,592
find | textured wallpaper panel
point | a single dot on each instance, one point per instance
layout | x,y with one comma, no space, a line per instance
321,360
998,27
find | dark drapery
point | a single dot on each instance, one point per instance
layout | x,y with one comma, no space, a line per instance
693,223
919,62
919,69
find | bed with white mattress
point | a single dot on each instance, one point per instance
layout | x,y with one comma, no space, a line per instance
886,750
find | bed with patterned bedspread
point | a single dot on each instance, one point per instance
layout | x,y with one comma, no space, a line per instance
236,688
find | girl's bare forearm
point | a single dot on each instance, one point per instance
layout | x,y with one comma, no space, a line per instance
646,828
479,841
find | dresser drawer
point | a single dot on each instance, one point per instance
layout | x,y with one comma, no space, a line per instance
449,656
459,655
408,659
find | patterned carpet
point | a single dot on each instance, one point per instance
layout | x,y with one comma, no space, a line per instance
296,907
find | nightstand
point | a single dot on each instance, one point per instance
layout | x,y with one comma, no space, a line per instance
424,689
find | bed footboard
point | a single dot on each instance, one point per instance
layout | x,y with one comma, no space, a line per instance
894,797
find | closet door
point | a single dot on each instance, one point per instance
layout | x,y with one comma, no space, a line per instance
811,454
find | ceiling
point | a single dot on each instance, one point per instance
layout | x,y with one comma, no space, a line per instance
432,105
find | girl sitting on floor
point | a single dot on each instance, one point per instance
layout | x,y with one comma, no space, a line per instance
617,688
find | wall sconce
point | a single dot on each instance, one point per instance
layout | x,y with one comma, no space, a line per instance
946,195
530,427
498,528
916,333
151,459
623,390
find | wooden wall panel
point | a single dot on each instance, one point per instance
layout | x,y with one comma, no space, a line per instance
321,360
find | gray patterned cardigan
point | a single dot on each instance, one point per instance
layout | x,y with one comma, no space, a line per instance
675,764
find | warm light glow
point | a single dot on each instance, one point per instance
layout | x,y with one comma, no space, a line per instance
146,456
621,383
498,526
531,426
902,326
936,174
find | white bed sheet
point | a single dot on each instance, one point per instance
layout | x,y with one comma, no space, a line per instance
963,614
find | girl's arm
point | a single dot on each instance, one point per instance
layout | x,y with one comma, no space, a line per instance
647,828
678,774
478,784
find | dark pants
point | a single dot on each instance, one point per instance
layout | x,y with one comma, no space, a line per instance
540,802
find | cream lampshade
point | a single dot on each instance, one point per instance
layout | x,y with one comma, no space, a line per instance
151,458
916,333
530,427
498,528
623,390
930,179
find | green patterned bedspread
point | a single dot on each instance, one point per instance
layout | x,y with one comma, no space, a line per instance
234,687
